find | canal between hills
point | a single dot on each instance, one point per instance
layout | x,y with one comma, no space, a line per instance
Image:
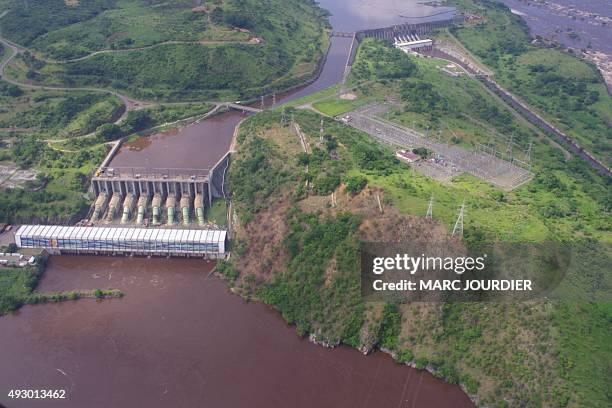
181,339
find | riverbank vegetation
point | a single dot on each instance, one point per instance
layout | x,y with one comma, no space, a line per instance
287,42
296,247
18,288
568,91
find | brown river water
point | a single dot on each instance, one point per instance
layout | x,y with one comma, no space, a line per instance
181,339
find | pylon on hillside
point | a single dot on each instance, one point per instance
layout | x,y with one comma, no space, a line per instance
430,209
458,229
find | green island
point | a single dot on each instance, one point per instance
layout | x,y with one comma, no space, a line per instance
18,287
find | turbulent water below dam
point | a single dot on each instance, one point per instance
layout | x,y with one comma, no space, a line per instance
181,339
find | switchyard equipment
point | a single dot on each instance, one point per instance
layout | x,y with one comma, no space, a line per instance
57,239
505,172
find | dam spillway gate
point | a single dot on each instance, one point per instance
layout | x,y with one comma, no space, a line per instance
156,196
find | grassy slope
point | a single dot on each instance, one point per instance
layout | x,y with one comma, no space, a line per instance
570,92
529,354
293,42
65,32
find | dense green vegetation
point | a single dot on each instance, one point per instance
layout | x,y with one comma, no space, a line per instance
569,91
528,354
58,194
16,285
461,111
59,114
292,32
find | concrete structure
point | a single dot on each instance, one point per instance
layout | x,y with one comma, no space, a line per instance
421,29
118,189
412,43
57,239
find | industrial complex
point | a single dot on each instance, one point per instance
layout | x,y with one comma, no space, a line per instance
58,240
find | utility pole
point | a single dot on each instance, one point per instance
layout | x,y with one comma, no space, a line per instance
283,117
430,209
263,102
273,98
458,229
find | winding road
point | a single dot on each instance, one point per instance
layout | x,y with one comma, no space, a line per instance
14,50
128,50
129,103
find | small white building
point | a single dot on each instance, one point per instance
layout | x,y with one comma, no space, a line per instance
407,156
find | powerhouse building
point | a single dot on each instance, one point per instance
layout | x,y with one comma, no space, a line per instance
130,241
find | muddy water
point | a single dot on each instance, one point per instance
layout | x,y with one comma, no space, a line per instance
178,339
197,146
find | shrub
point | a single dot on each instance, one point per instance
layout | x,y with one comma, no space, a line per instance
355,184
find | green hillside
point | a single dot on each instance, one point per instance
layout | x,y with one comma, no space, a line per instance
153,49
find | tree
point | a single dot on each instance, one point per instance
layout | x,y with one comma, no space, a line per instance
137,120
109,131
355,184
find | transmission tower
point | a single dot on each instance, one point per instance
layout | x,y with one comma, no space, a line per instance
321,131
509,146
273,98
430,209
458,230
263,102
528,153
283,117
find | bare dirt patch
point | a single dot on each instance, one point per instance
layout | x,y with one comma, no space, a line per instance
349,96
12,176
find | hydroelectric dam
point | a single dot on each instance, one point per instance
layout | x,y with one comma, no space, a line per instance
156,196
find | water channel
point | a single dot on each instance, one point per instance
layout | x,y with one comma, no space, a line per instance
181,339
